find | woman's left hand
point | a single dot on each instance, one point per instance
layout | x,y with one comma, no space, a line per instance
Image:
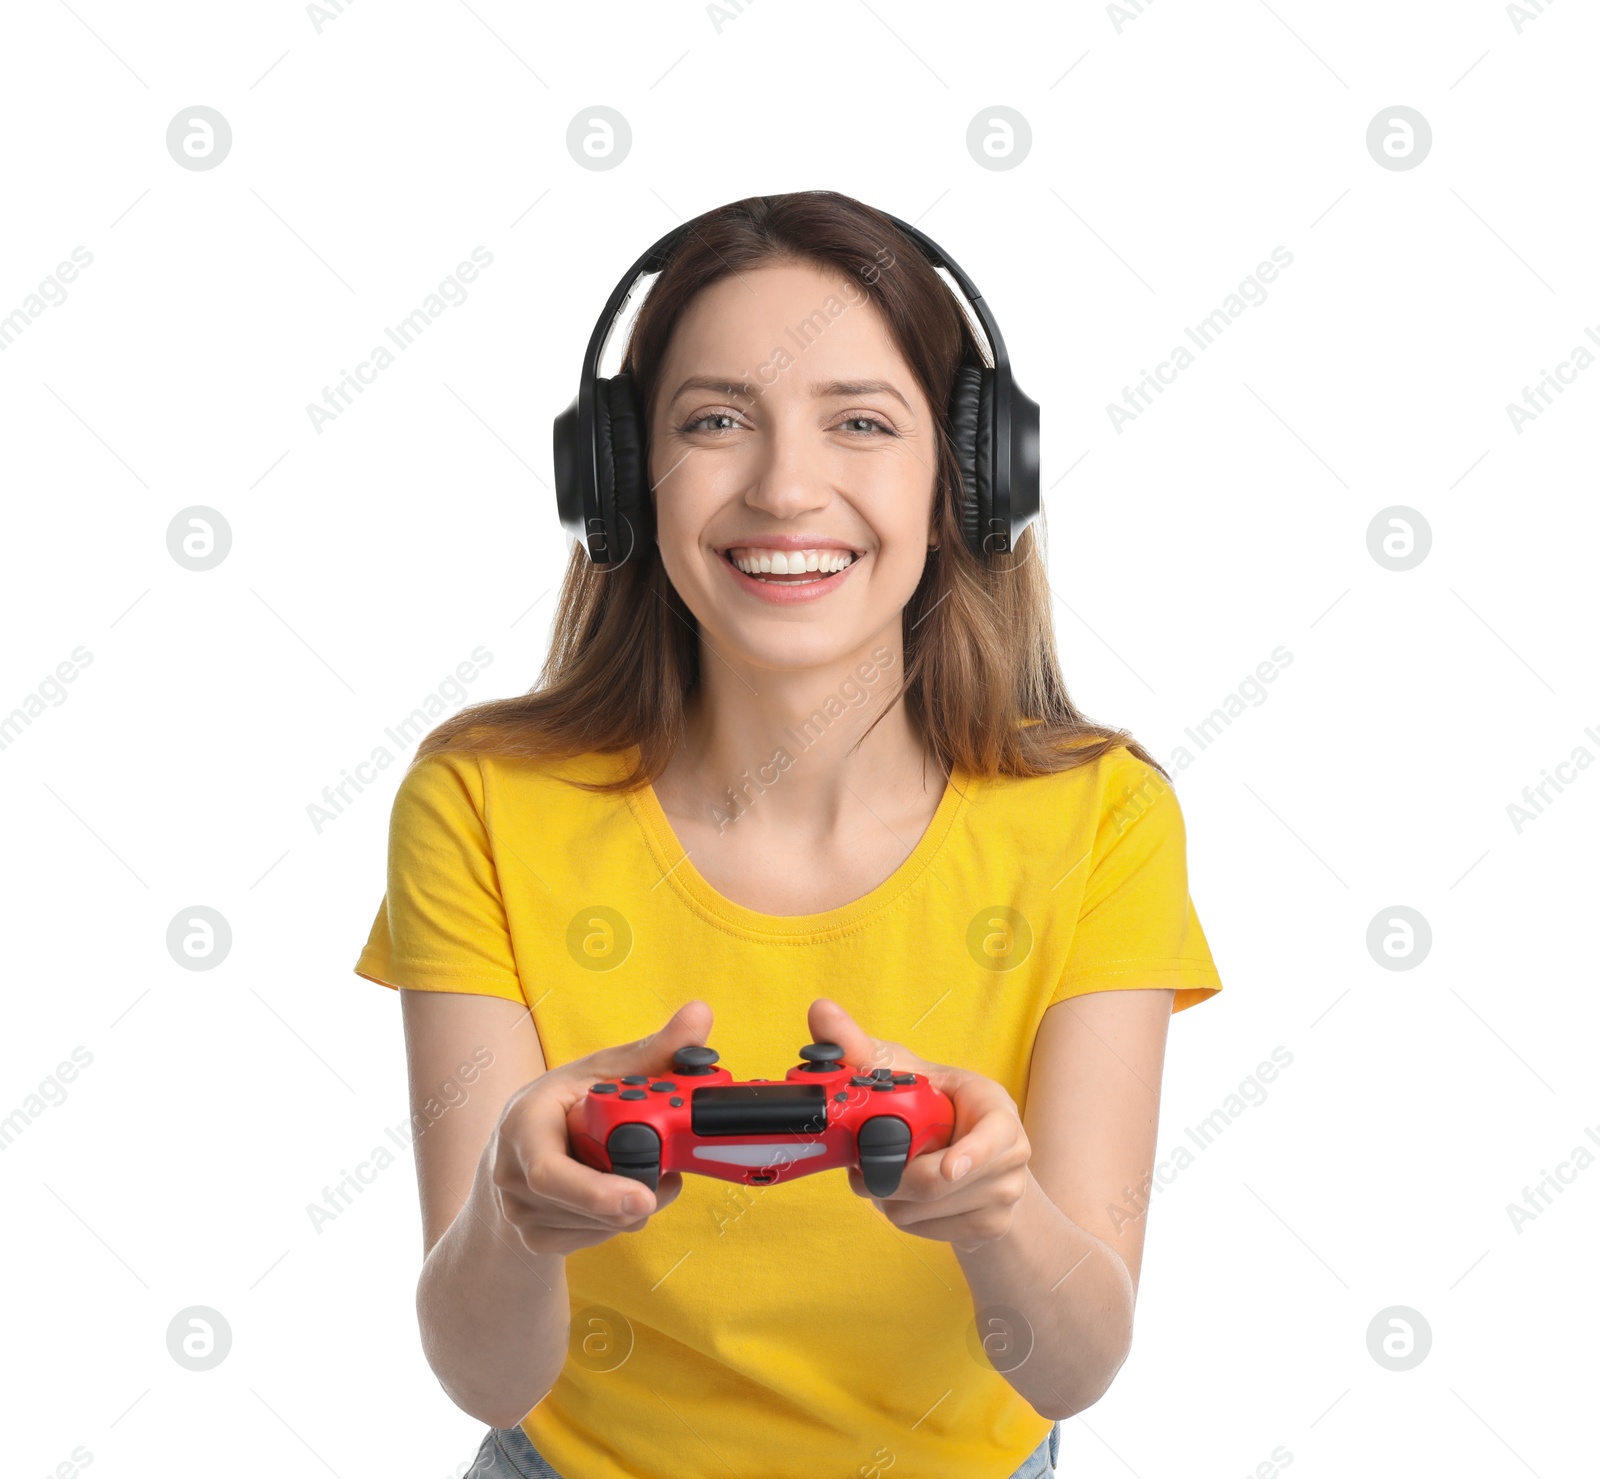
966,1194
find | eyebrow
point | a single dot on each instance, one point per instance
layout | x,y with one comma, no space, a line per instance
844,389
737,388
830,390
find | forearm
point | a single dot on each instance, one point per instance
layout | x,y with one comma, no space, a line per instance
1074,1294
494,1317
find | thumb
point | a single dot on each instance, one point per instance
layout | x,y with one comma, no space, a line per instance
691,1023
830,1022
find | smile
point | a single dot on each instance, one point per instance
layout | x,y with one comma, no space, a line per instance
786,577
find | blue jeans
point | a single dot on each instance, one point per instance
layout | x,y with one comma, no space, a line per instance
506,1453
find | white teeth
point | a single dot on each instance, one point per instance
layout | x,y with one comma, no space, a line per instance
791,562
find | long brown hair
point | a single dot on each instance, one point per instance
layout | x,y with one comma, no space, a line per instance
981,680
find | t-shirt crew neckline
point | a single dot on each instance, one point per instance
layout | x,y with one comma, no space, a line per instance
680,872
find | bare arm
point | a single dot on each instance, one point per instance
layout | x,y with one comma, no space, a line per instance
503,1200
1066,1257
1094,1096
493,1315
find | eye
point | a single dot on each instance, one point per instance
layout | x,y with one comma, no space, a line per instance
866,425
699,422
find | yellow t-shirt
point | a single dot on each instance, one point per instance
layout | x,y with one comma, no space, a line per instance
788,1330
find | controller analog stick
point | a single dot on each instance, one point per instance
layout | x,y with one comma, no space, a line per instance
821,1057
693,1060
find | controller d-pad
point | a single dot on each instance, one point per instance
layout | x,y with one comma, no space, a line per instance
602,1088
905,1078
636,1078
632,1094
879,1085
859,1080
663,1088
878,1073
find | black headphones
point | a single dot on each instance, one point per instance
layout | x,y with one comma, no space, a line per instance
600,442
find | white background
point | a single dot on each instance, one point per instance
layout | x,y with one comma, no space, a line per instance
1169,155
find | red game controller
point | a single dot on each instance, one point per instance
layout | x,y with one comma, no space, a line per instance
821,1116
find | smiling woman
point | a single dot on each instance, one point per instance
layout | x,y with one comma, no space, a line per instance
954,859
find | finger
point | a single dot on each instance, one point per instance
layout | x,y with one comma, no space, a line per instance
956,1230
551,1217
558,1215
984,1143
830,1022
554,1174
691,1023
923,1181
567,1186
990,1144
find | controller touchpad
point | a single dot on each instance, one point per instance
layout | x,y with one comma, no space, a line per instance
760,1109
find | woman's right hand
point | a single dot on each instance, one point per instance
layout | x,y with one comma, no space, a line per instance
556,1203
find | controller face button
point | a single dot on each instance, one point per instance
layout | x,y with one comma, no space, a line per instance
662,1088
632,1094
675,1102
602,1088
905,1078
636,1078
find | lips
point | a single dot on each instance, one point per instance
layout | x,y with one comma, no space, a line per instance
774,564
788,588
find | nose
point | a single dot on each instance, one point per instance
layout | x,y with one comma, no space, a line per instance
790,479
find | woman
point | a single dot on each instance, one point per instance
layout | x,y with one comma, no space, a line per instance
801,768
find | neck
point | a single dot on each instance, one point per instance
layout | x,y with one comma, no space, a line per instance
807,741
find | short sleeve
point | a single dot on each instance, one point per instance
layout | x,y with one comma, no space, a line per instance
442,923
1137,926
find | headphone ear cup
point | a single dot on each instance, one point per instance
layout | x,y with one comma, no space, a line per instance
972,430
984,462
619,462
